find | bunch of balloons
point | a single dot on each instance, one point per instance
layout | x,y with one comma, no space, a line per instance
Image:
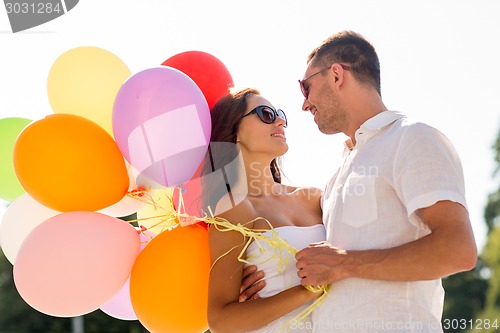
115,145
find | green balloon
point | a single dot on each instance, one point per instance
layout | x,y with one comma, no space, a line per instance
10,188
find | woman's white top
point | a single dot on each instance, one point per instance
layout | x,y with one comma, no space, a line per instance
280,272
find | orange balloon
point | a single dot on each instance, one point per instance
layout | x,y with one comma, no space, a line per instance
69,163
169,281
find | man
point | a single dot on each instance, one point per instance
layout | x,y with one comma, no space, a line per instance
395,211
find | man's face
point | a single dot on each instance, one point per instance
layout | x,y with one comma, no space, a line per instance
322,99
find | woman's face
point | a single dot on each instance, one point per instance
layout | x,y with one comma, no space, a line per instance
255,136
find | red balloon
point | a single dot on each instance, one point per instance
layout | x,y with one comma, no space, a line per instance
208,72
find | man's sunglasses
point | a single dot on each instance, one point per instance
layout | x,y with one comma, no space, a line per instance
305,89
267,114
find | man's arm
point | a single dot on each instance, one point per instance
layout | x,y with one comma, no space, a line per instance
450,248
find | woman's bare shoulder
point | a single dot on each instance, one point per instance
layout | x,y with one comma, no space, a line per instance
241,212
235,209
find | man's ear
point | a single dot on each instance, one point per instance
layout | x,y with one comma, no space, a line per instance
338,71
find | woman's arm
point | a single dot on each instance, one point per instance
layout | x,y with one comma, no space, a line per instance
226,313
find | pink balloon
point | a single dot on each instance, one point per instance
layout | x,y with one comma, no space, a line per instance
120,306
75,262
162,124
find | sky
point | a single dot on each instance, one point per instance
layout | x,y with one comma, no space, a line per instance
439,65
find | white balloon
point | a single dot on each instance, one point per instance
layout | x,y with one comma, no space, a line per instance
125,207
20,218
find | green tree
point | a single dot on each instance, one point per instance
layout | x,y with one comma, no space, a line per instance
488,320
473,298
492,210
465,295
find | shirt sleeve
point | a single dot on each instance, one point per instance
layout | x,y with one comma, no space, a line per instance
427,169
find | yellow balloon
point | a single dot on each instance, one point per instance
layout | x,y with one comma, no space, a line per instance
84,81
155,213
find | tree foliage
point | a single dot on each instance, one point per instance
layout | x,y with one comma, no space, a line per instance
491,311
465,294
491,255
473,298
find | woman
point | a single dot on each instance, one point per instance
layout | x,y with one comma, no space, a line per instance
254,193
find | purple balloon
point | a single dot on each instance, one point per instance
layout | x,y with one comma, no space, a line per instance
162,124
120,306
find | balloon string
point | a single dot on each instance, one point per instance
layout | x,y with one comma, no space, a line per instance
179,218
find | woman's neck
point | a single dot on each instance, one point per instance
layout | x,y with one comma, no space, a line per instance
260,180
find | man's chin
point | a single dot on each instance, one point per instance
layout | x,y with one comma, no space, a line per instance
328,131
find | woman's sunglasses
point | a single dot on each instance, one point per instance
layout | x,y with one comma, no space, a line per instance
267,114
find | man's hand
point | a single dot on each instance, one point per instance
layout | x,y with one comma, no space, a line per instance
251,283
321,263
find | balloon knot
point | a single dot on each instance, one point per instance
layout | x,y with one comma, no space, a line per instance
138,192
143,229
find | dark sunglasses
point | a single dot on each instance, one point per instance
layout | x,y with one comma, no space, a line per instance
305,89
267,114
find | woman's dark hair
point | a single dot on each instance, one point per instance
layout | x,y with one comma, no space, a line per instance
226,116
349,48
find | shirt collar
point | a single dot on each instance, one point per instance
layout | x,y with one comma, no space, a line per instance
380,120
372,126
